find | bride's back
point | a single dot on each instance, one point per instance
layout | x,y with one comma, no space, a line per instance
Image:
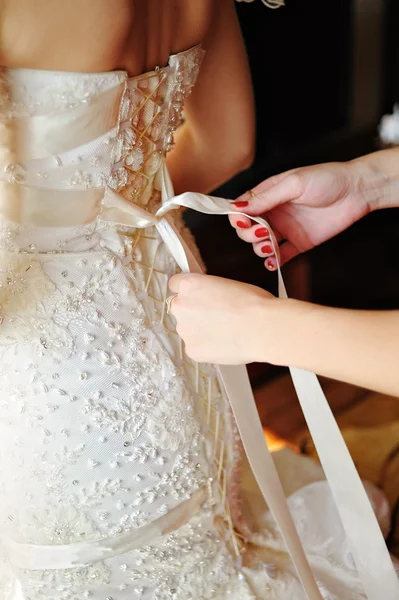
136,36
100,35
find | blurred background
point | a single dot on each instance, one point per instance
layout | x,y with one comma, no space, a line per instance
324,74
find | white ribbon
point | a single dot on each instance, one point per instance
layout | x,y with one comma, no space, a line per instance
368,548
80,554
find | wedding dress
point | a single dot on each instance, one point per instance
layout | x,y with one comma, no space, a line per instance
120,461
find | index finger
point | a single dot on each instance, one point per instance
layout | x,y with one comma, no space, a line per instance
271,193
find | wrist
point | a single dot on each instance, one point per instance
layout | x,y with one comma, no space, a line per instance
283,324
377,179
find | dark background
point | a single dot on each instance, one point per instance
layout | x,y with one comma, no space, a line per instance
324,72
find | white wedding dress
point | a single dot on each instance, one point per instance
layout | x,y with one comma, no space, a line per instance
120,463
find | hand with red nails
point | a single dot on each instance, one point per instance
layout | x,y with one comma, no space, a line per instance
228,322
219,319
310,205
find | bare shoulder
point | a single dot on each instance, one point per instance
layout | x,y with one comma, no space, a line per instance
99,35
197,18
64,34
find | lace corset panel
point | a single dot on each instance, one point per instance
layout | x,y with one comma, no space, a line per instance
151,111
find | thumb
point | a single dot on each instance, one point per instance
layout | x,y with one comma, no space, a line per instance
175,282
184,283
272,193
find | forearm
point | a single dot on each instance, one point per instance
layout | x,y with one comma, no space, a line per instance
218,138
358,347
379,178
197,165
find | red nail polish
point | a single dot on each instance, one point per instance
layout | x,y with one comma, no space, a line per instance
242,225
240,204
261,232
270,265
267,249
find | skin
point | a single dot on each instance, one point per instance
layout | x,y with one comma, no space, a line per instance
218,137
229,322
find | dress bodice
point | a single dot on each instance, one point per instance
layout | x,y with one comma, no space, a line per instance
73,134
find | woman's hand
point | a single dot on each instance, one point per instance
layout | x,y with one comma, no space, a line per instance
223,321
226,322
308,206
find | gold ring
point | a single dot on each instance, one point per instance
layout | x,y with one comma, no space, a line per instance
169,301
252,194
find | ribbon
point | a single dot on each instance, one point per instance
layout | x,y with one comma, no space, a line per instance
367,544
81,554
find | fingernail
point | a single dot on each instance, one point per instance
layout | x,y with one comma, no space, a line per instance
267,249
240,204
246,197
242,225
261,232
270,264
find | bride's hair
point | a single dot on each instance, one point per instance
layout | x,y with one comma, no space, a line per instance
268,3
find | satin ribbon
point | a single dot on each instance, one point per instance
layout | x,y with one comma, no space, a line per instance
81,554
368,547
